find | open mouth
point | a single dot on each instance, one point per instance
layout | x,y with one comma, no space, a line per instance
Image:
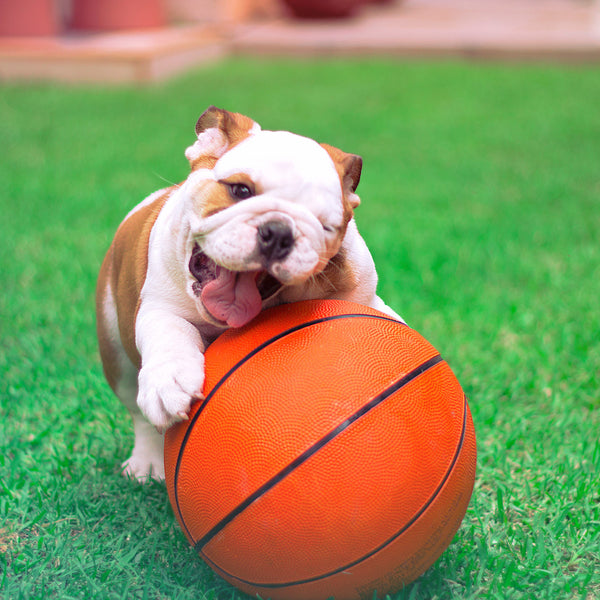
231,297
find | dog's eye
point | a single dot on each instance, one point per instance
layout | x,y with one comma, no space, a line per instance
328,228
240,191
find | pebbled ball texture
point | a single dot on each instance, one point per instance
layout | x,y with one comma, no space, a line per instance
334,454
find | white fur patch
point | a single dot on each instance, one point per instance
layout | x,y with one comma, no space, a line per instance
288,167
254,129
211,141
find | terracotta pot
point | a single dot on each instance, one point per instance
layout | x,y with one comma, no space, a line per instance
28,17
109,15
323,9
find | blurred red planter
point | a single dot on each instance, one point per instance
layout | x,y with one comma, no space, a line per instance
323,9
28,17
109,15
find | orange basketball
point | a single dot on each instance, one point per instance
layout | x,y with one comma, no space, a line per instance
334,454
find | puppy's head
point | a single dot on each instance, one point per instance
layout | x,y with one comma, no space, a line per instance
268,209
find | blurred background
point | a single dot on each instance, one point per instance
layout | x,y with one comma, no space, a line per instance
144,40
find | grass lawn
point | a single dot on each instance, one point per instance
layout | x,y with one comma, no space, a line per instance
481,205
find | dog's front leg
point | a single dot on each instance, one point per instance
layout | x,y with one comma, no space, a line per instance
170,379
362,266
172,371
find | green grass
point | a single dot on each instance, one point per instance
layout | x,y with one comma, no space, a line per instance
481,204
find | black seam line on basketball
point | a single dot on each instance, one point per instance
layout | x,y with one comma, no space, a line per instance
379,548
237,366
246,358
321,443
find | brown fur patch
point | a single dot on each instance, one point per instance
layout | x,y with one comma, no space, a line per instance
348,167
244,179
125,266
110,363
337,277
234,126
206,161
213,198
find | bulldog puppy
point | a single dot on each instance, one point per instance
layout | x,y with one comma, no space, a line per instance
264,218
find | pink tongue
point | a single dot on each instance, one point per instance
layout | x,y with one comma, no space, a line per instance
232,297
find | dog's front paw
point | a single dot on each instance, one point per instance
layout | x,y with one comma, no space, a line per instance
167,389
144,468
147,459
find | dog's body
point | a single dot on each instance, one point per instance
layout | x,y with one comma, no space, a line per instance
263,218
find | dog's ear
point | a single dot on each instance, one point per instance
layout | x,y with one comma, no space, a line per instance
349,168
218,130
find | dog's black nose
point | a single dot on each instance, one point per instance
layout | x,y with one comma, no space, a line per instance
275,240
